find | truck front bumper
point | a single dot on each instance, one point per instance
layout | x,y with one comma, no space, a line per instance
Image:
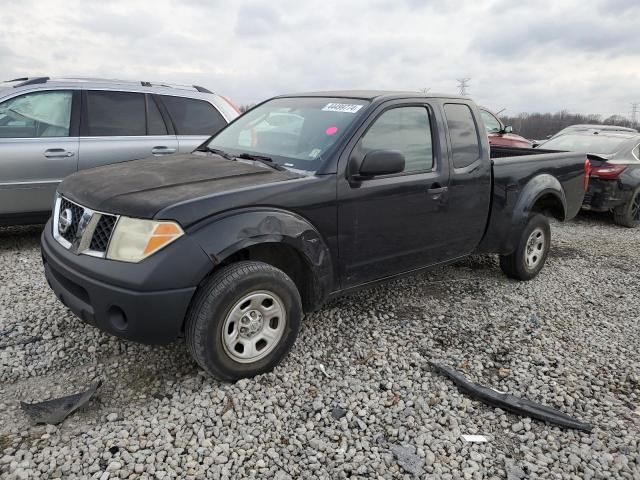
145,302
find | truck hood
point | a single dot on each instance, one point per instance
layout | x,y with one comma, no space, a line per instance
141,188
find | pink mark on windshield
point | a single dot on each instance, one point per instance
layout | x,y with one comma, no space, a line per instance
331,130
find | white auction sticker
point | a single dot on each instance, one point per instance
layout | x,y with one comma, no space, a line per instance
341,107
474,438
315,152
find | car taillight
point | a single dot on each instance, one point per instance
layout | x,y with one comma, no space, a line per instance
233,105
607,171
587,174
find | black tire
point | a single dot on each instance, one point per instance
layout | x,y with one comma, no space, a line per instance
515,265
215,300
628,215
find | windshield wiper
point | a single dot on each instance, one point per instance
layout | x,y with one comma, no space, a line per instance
262,159
215,151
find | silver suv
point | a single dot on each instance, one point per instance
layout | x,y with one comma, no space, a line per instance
51,128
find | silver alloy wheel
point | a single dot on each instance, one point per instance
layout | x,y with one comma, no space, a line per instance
254,326
535,248
635,208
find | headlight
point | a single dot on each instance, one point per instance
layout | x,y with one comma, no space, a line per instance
133,239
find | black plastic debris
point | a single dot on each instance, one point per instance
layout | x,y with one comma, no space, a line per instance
407,459
511,403
338,413
22,341
56,410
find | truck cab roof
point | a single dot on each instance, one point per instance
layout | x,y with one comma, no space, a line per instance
372,94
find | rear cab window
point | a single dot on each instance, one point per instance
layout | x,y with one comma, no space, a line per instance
191,116
463,134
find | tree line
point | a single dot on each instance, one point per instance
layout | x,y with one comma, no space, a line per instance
537,126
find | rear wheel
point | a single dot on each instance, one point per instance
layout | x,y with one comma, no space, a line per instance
628,215
530,255
243,321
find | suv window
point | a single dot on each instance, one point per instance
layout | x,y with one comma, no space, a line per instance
463,134
490,122
406,129
111,114
40,114
193,117
155,122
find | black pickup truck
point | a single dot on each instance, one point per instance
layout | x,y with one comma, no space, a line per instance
302,198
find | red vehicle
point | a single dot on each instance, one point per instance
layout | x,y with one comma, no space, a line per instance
501,135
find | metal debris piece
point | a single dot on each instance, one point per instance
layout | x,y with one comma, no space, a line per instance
475,438
408,460
322,369
511,403
56,410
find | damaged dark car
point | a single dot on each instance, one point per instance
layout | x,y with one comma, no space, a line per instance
614,184
302,198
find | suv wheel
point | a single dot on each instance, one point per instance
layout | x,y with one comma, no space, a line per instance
243,321
628,215
529,258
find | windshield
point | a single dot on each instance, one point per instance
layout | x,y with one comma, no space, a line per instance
294,132
586,143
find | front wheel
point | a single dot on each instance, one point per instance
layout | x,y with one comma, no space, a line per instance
529,257
243,321
628,215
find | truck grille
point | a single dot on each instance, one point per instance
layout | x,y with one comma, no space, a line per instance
81,229
76,214
102,233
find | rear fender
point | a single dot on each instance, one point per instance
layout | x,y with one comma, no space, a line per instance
538,188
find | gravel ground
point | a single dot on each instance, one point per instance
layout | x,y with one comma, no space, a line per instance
568,339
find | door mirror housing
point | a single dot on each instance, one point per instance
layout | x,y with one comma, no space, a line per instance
381,162
508,129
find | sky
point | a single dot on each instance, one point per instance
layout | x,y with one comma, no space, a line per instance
522,56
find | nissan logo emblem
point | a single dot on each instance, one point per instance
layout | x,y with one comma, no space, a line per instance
65,220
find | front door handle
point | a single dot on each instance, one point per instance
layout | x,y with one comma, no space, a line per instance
436,189
58,153
162,150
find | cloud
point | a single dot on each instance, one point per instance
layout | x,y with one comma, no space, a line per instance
523,56
256,19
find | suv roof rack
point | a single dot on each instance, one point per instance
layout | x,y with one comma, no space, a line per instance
202,89
197,88
29,81
34,80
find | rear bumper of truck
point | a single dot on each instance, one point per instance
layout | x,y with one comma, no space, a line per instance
125,299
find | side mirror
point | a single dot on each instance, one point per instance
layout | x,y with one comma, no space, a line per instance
381,162
508,129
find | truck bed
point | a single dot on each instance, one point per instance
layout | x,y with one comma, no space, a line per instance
517,187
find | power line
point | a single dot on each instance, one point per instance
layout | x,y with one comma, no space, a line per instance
463,85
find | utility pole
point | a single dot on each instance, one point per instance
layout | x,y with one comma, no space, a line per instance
463,84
